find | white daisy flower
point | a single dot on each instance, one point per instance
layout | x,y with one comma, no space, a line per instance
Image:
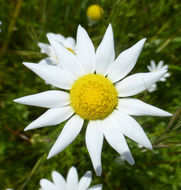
156,68
72,182
97,92
68,42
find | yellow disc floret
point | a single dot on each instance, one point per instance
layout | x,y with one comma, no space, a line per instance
71,50
94,12
93,97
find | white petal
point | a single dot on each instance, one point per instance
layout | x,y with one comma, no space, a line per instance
152,87
160,64
48,61
125,62
72,179
94,141
85,181
66,59
58,180
116,139
45,48
69,43
163,79
85,50
52,74
153,65
47,185
56,37
48,99
53,116
96,187
70,131
137,83
129,127
149,68
105,52
165,67
136,107
166,75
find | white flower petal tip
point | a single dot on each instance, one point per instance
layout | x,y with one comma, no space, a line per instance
85,50
169,114
53,116
40,44
49,156
48,99
50,36
56,37
52,74
94,141
85,181
72,172
136,107
115,137
69,132
27,64
137,83
98,170
165,114
80,27
105,53
128,157
125,62
88,174
150,147
96,187
129,127
17,100
137,48
27,128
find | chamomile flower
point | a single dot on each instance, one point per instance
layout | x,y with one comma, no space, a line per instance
94,13
68,42
98,92
156,68
72,182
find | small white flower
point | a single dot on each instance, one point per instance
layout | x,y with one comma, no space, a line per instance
97,92
68,42
72,182
156,68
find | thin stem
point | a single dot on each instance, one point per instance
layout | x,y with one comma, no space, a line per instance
38,162
11,26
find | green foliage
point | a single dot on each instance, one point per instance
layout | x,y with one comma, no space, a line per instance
23,154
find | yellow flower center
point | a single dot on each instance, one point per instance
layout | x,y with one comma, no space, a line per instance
94,12
93,97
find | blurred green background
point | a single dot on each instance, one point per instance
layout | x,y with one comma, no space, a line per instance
23,154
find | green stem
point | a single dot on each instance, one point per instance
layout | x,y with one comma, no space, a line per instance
11,26
33,171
